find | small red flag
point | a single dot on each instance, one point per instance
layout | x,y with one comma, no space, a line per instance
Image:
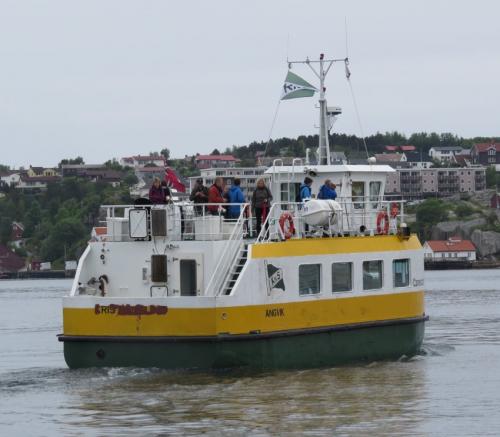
173,181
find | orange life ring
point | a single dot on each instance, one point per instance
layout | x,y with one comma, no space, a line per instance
394,210
382,217
289,230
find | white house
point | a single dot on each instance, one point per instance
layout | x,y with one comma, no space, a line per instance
445,154
453,249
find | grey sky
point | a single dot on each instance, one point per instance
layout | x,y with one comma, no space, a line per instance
106,79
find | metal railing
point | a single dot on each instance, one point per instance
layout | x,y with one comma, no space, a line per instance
355,217
228,259
184,221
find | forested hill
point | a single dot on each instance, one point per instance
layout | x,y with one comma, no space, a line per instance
57,221
352,145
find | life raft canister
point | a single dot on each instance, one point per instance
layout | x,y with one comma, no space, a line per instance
382,223
286,225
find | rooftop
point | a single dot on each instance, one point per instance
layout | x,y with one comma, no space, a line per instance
453,244
216,158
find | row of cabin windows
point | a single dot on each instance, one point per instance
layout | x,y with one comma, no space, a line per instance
342,274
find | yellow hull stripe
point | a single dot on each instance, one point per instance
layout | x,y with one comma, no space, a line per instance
244,319
327,246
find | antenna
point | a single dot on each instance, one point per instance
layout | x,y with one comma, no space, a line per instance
346,39
321,72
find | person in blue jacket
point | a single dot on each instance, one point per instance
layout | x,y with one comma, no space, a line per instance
235,196
327,191
305,189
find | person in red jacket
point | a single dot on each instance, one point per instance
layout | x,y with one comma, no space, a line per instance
215,196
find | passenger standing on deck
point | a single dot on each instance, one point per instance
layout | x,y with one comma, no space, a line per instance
305,189
215,196
327,191
199,195
156,194
235,196
261,202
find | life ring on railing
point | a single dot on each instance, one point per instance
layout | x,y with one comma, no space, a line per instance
394,210
382,223
287,230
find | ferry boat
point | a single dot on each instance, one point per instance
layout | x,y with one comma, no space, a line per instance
324,282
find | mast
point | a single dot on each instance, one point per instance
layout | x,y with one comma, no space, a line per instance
324,67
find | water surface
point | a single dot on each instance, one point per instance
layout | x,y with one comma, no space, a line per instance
452,388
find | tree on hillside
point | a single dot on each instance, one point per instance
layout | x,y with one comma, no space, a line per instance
4,168
430,213
215,152
71,161
165,153
491,177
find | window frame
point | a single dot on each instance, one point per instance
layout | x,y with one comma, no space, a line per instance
381,274
408,261
350,263
315,293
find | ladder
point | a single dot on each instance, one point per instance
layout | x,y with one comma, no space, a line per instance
236,268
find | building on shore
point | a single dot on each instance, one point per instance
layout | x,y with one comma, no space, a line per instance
486,153
10,262
453,249
215,161
247,175
445,154
440,182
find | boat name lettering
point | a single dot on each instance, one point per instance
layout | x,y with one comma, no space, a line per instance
131,310
275,312
418,282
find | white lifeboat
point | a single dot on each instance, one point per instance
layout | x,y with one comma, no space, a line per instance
319,212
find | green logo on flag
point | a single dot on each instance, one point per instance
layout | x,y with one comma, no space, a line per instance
296,87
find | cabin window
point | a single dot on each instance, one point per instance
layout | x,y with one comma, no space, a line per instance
401,272
188,277
372,275
375,194
358,194
309,278
341,277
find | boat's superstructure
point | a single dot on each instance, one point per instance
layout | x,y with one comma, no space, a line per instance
324,282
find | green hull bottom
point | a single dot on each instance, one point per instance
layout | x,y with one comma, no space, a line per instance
297,351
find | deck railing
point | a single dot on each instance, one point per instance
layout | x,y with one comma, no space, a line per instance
356,216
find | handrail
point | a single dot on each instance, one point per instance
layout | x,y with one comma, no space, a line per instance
349,219
228,258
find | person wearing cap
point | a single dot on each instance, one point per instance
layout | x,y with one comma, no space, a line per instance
199,195
305,189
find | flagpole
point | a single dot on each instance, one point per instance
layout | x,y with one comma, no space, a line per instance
323,143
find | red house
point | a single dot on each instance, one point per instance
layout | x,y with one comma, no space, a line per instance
9,261
17,231
485,153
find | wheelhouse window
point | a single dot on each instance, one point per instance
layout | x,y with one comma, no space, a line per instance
372,275
401,272
341,277
358,194
375,194
309,279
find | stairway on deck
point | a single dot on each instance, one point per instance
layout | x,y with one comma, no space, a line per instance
236,269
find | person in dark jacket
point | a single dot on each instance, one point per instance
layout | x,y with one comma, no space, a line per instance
327,191
305,189
261,202
215,196
235,196
156,193
199,195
